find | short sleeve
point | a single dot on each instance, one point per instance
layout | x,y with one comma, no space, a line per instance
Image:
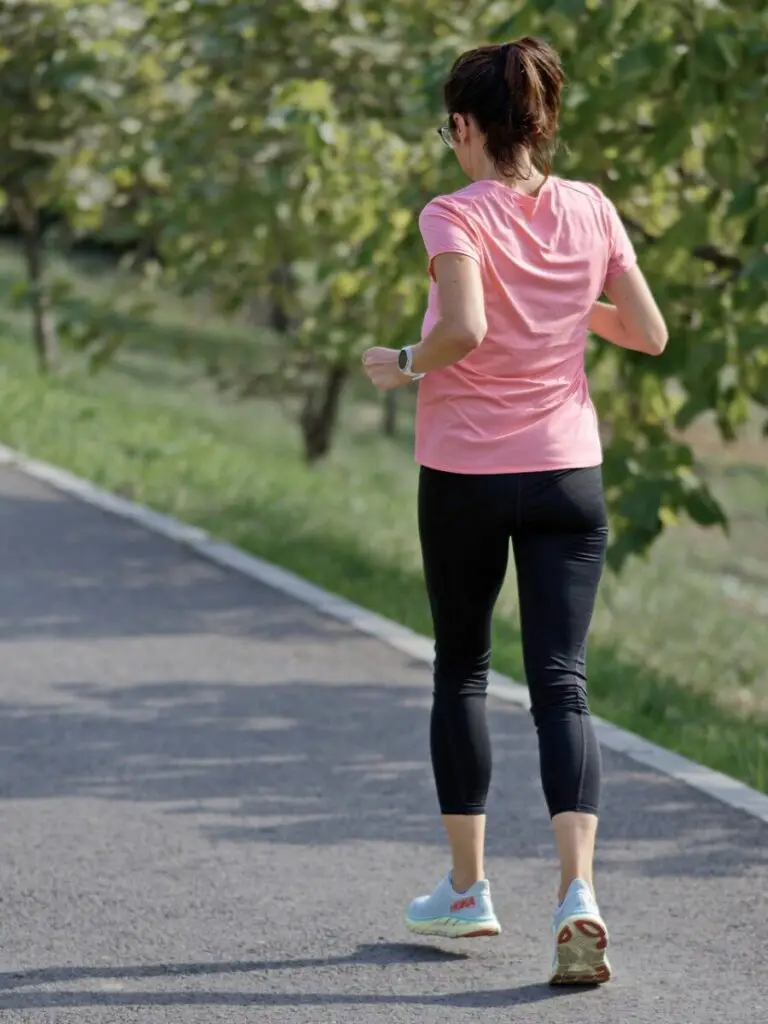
621,252
445,229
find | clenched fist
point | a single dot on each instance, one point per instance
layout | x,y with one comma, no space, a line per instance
381,366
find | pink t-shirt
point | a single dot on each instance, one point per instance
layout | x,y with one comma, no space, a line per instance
520,401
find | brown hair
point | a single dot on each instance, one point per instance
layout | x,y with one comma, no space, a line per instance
512,90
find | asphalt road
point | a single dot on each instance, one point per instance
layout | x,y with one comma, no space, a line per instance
214,805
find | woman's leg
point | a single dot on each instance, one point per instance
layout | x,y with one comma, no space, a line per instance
464,530
559,548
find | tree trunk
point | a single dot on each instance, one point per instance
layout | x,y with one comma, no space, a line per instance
321,412
389,420
43,325
281,281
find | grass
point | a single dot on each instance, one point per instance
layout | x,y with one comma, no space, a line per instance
674,656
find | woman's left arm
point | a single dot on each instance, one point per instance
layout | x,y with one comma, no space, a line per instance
460,329
462,325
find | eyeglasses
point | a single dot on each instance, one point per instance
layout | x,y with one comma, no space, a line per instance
445,132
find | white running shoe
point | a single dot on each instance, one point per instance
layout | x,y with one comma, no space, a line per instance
454,915
580,939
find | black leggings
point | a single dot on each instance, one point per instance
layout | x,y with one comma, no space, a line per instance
556,521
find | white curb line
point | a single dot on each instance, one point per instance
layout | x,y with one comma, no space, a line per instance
721,787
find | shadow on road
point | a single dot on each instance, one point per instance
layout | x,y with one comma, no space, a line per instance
289,761
304,763
383,954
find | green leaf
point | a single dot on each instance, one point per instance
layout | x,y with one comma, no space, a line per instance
743,200
704,509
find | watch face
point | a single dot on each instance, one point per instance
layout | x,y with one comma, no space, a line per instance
402,359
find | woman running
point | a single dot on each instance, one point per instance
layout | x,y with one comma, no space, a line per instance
508,443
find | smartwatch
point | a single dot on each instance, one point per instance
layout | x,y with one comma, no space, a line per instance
405,363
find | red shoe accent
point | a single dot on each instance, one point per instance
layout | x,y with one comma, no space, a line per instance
593,930
565,936
465,903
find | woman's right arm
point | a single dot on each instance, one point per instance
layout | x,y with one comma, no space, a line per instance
632,320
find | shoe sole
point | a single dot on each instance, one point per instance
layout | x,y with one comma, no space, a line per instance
581,952
454,928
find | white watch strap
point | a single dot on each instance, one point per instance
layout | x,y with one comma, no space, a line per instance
408,371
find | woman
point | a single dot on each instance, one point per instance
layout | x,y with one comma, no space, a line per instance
509,449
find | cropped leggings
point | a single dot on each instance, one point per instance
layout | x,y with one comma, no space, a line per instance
556,522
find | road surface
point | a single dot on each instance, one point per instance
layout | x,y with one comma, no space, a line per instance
216,803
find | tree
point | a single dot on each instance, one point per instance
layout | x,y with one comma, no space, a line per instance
277,184
63,75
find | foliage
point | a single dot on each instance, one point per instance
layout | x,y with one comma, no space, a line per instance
65,70
308,199
279,153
